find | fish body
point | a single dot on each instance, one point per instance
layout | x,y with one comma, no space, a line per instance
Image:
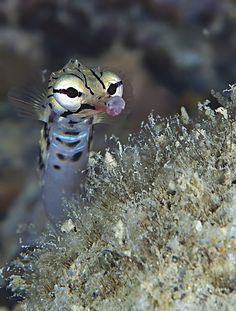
75,97
63,161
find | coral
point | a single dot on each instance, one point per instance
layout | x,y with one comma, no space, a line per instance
157,230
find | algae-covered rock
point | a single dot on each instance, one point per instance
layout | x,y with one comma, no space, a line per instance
158,230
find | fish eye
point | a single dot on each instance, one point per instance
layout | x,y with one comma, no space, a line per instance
72,92
68,92
112,89
115,88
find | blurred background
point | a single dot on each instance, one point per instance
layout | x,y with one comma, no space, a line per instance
170,53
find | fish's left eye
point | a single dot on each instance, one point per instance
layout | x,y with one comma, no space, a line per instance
112,89
115,88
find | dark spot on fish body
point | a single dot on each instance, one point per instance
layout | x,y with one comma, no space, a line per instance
41,166
68,144
73,122
47,143
61,156
73,144
57,167
46,130
58,139
76,156
40,160
71,133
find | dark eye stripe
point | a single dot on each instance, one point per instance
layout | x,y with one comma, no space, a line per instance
70,92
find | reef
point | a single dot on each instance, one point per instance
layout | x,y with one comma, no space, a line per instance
158,229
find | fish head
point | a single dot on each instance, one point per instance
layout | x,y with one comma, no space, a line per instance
77,89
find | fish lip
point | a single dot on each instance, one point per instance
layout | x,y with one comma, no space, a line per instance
100,106
87,106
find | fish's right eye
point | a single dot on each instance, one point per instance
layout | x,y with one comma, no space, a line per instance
68,92
72,92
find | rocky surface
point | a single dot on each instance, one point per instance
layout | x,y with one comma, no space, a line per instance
169,53
158,231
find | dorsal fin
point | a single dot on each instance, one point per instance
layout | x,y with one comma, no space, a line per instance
31,101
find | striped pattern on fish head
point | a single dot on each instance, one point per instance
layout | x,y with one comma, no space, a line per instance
77,89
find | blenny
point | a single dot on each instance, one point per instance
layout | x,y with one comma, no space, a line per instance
76,96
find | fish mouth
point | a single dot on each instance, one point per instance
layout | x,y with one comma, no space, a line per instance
100,107
92,108
86,110
97,107
85,107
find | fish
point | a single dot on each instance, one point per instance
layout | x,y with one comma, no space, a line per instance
76,96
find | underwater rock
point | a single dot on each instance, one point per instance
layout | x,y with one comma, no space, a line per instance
158,230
